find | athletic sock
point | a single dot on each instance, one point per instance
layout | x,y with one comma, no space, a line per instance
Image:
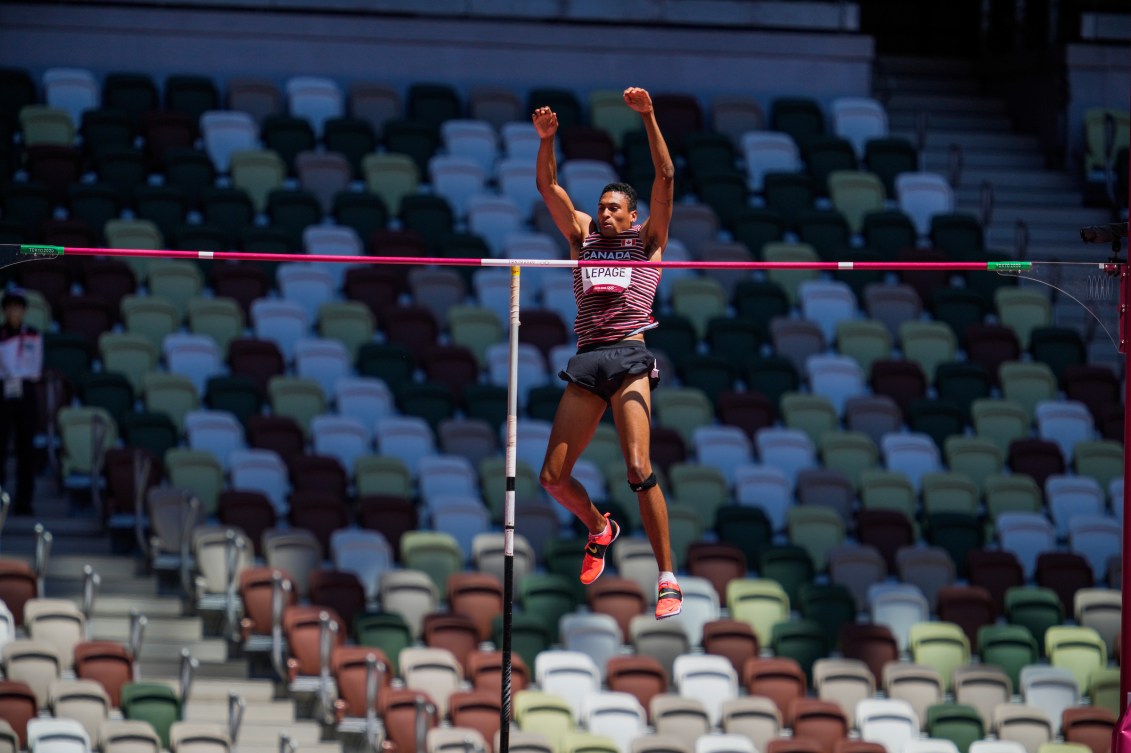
667,577
604,531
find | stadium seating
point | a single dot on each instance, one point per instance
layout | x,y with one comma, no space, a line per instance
320,438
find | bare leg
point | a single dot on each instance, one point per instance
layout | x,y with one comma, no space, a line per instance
632,411
576,420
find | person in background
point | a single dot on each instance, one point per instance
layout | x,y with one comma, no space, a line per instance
21,365
613,368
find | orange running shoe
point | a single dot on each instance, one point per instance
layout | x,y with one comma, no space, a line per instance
594,562
670,601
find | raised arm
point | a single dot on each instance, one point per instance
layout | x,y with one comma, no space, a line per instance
572,223
663,187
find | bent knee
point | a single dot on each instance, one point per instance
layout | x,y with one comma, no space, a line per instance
552,479
639,472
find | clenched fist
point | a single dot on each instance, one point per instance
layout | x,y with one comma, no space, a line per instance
638,99
545,122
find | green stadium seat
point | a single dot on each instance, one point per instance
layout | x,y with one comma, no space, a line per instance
387,631
1036,609
152,430
791,565
959,723
761,603
804,641
800,117
941,645
153,703
749,529
548,596
109,390
829,605
754,227
1081,650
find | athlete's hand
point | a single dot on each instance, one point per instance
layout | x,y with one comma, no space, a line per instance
545,122
638,99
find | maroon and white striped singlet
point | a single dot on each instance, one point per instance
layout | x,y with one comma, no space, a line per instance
613,302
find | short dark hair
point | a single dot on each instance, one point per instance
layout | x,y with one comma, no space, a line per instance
13,298
624,188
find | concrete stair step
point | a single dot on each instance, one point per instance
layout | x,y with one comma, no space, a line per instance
263,712
115,588
974,140
207,650
906,119
210,690
63,525
1036,252
70,566
1021,181
1054,252
924,67
306,748
937,159
947,103
1067,219
22,544
142,588
158,667
897,83
970,196
1062,244
306,734
163,629
114,605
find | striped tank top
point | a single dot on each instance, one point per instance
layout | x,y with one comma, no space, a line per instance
613,302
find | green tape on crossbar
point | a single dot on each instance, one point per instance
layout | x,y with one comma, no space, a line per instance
33,250
1008,266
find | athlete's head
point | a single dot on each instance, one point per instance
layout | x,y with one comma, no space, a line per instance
14,304
616,209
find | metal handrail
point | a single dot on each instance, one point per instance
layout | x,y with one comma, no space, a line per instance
280,588
53,386
191,516
5,507
99,430
327,630
90,583
138,621
955,161
424,709
374,672
189,665
234,546
988,199
880,74
142,468
236,708
43,540
922,119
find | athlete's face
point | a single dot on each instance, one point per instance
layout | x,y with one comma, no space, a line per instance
14,315
613,214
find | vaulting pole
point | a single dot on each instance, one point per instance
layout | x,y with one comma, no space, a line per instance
1125,564
508,512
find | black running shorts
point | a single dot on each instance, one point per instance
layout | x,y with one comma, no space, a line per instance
602,368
